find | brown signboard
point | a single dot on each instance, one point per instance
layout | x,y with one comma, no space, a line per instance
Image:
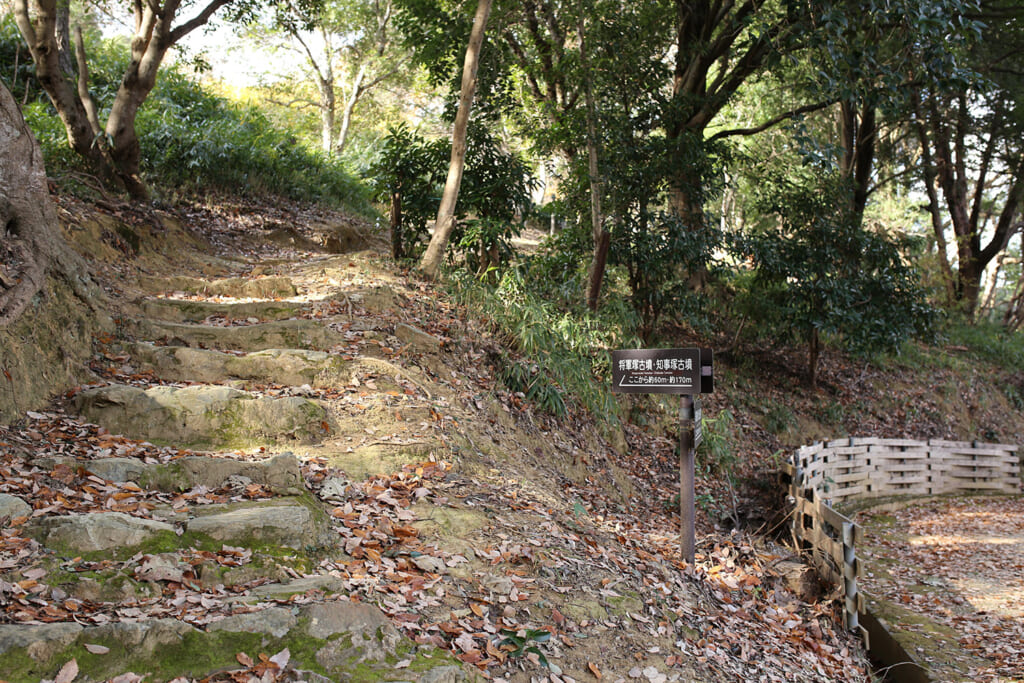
662,371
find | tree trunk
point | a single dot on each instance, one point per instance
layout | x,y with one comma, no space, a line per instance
327,108
117,163
40,35
858,134
397,247
813,354
602,239
31,246
430,264
63,36
350,106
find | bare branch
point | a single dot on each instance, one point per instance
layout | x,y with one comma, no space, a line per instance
83,83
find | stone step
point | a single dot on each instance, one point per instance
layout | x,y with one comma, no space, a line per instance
338,640
289,367
188,311
279,474
274,287
283,334
202,416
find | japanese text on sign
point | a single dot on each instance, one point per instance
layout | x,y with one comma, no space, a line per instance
654,371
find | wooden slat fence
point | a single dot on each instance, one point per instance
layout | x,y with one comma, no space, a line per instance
826,474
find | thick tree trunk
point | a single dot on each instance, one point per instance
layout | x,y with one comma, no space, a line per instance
63,35
31,246
154,36
430,264
40,35
327,113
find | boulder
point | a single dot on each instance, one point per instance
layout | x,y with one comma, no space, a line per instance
184,310
273,621
95,531
291,367
372,635
13,506
236,287
283,522
282,334
417,339
199,416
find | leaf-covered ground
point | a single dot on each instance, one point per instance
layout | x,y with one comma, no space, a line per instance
960,563
525,547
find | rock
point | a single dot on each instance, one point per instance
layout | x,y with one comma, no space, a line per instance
181,311
376,300
416,338
161,567
335,490
280,474
13,506
801,579
283,522
273,621
42,640
434,565
95,531
502,585
198,416
236,287
117,469
141,637
372,636
324,583
283,334
290,367
445,674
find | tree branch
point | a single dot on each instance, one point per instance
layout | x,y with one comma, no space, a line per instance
195,22
806,109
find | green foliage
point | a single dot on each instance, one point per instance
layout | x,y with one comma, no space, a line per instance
195,140
16,68
523,642
818,274
409,169
192,139
718,450
493,195
779,418
567,357
987,341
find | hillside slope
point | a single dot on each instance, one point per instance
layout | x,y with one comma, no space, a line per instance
290,464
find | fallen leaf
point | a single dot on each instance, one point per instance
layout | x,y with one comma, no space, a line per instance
594,670
67,673
97,649
281,658
244,659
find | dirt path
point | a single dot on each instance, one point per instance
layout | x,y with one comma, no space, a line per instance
960,563
302,466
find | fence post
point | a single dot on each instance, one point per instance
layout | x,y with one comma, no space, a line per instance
850,577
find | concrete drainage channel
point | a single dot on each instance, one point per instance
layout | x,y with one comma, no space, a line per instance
859,470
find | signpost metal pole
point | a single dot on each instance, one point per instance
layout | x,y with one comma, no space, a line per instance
687,448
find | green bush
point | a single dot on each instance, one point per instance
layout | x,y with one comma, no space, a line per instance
818,276
194,140
190,138
568,358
